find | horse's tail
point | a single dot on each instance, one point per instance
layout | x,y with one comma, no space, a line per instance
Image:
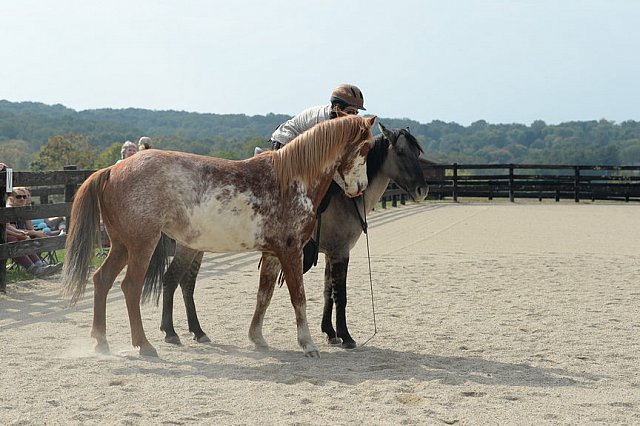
83,236
156,270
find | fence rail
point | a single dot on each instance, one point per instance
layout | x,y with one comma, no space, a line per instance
513,181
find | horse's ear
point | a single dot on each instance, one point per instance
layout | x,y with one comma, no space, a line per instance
371,120
341,113
387,134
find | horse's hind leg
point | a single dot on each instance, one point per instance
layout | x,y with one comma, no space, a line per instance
269,270
188,286
103,279
132,289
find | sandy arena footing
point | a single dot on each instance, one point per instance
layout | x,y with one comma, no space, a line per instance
487,313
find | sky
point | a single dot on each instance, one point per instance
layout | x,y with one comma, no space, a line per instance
502,61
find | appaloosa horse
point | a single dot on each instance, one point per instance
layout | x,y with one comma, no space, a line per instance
394,155
267,203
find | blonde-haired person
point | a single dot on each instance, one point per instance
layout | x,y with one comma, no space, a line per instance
23,230
144,143
128,149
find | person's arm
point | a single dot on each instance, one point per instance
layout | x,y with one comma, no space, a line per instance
297,125
32,232
15,232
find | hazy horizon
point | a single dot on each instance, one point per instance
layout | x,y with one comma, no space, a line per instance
497,60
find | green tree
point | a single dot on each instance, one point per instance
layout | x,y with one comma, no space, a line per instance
16,154
109,156
60,151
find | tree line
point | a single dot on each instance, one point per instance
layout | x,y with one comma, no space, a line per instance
35,136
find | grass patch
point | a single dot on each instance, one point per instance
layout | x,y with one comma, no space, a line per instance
18,273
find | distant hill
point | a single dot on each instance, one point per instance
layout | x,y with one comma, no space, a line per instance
36,122
31,124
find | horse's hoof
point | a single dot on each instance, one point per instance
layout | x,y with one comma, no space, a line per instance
202,339
102,348
312,354
174,340
334,340
262,347
311,351
148,351
349,345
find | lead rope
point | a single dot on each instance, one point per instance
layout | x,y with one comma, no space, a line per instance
363,223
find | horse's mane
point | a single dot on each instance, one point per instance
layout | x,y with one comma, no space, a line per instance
380,149
377,155
310,153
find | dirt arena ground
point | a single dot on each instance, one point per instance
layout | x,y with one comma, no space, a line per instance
487,313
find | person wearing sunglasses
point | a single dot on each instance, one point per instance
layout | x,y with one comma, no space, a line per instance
23,230
346,98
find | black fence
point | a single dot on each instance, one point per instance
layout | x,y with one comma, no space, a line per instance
55,191
512,181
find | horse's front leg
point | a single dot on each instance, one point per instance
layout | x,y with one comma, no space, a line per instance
292,268
269,270
327,311
169,285
188,286
339,285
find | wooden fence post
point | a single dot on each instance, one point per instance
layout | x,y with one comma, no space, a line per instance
511,195
69,192
394,197
455,182
3,239
576,184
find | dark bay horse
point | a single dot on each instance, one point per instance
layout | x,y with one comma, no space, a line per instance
394,155
266,203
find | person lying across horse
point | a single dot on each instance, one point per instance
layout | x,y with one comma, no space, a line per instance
344,99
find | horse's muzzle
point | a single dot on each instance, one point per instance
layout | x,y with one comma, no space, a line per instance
361,188
420,193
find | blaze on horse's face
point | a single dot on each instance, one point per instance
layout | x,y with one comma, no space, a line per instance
351,175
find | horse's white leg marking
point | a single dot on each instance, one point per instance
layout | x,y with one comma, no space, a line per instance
304,335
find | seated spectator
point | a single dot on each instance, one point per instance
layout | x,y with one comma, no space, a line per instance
128,149
144,143
22,230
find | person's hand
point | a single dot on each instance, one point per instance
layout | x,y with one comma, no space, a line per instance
22,235
36,234
2,166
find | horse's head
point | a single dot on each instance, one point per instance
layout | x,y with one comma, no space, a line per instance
351,174
403,162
